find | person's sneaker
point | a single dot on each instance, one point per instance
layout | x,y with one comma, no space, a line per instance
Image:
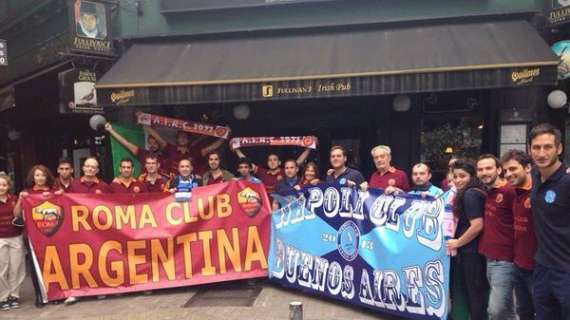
70,301
4,306
14,302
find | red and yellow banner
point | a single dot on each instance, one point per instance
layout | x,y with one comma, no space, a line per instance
102,244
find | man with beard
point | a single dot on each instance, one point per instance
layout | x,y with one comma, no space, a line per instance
215,174
154,147
125,183
497,241
517,166
421,176
64,175
550,202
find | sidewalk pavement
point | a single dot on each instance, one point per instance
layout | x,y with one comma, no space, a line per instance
272,303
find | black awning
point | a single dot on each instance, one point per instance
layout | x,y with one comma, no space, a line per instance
365,62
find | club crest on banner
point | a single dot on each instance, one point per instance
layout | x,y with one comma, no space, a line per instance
250,201
348,240
47,217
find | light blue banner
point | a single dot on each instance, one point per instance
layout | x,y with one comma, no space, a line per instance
379,251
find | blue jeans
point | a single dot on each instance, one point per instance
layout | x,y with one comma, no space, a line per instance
523,293
500,275
551,293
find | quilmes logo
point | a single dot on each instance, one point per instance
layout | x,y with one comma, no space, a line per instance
348,240
47,217
122,96
267,90
250,201
525,76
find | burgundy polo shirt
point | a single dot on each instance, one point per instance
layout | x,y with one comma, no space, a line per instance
393,177
174,156
7,230
158,185
162,158
497,240
525,238
219,179
82,186
130,186
269,178
60,186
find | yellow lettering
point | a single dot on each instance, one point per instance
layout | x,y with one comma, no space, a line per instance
134,260
116,266
210,208
159,256
81,268
125,217
254,249
169,213
205,237
107,223
231,250
188,217
147,217
52,262
223,205
186,241
79,217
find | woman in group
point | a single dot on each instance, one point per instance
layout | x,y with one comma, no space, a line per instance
469,208
39,180
310,175
12,270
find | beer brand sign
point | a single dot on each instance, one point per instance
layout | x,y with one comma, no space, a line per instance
525,76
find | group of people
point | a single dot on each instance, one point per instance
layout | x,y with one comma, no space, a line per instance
512,213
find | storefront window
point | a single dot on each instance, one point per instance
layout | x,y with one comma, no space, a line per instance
443,137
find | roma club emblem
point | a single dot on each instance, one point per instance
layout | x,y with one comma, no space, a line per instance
250,201
48,218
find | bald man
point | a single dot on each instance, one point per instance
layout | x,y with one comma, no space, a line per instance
421,176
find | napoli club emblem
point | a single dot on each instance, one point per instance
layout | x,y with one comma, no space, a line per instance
250,201
348,239
550,196
48,218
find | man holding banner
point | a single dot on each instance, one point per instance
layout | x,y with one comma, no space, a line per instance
125,183
154,147
215,173
339,172
153,180
89,182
